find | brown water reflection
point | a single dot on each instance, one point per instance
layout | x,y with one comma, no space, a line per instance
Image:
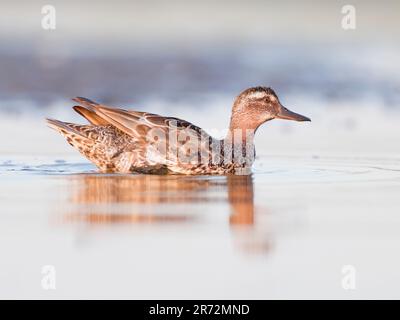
172,200
141,198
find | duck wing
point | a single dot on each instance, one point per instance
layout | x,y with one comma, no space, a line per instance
188,138
131,122
90,116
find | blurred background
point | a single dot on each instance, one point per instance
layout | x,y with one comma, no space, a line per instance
128,51
324,195
191,58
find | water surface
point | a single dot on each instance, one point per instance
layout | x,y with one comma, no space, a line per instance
284,232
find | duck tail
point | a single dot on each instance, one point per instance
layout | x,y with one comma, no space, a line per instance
78,136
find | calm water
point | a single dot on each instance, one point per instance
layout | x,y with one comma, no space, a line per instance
284,232
324,195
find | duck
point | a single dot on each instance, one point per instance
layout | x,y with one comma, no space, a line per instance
118,140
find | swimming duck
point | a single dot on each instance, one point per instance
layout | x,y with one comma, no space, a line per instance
122,141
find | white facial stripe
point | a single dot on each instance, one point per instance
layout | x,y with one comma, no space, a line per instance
261,94
257,95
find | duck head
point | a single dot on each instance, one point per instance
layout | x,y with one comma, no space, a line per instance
254,106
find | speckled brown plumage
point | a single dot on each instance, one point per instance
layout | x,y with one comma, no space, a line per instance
118,140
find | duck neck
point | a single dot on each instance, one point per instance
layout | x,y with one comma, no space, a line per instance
239,144
241,129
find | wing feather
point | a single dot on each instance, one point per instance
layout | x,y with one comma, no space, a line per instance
91,116
138,124
129,121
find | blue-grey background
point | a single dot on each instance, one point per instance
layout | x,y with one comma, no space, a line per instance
129,51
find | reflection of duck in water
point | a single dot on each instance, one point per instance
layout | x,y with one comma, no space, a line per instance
121,198
137,199
124,141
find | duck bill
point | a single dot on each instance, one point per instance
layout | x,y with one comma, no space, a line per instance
290,115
